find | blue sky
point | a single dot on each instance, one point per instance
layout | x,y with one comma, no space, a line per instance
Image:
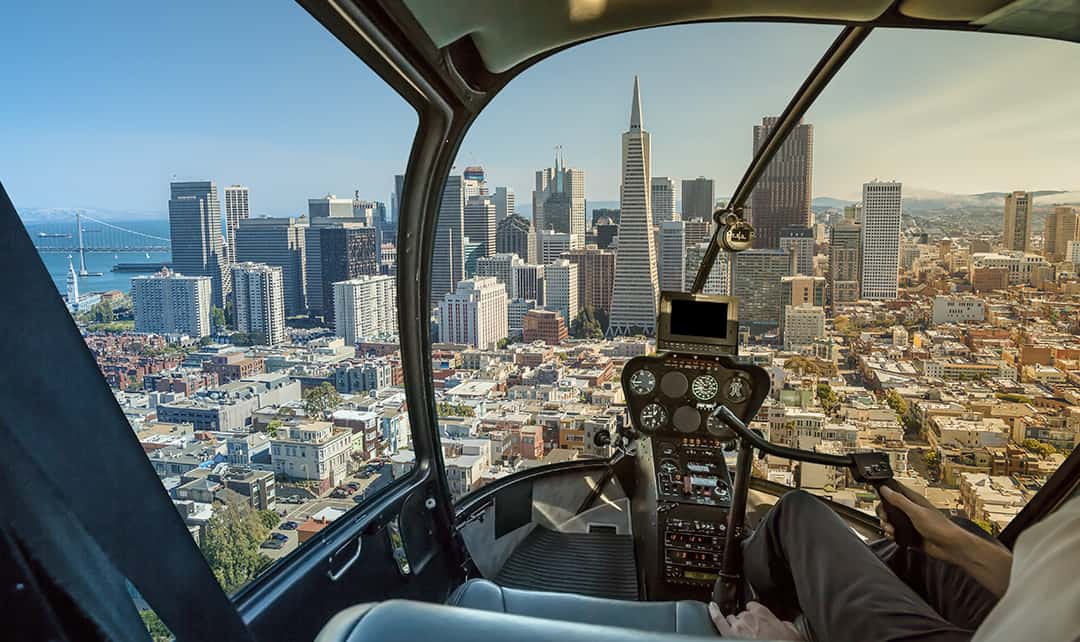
105,103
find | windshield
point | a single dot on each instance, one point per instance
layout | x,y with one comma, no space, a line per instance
905,227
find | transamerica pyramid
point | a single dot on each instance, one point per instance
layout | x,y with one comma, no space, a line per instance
635,297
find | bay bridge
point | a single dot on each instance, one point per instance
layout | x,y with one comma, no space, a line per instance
87,234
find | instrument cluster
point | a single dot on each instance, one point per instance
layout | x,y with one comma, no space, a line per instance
677,393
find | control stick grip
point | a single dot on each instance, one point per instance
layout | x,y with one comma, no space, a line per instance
904,532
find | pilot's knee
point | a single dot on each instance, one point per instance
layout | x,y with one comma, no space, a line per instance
799,501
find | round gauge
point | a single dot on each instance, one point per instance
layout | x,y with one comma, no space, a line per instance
674,384
737,389
642,382
669,467
705,387
718,428
653,416
686,419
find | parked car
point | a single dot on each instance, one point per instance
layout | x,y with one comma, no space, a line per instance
339,493
365,475
289,526
359,498
353,486
281,537
272,543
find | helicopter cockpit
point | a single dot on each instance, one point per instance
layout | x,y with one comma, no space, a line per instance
180,472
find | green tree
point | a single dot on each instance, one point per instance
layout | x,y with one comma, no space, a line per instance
933,459
503,342
155,627
897,403
1040,448
217,318
269,519
230,544
447,409
320,400
586,326
827,397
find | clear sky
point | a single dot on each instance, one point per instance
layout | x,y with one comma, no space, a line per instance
105,103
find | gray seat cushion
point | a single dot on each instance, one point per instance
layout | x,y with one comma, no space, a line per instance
686,617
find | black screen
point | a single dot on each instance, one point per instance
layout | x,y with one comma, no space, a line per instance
699,318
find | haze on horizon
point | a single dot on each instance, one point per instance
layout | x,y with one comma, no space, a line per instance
107,104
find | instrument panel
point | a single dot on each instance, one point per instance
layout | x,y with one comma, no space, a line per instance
675,394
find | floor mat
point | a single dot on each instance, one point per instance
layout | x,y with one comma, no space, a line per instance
594,564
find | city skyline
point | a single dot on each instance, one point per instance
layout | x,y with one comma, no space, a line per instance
948,109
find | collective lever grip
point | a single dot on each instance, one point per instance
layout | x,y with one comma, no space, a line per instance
904,532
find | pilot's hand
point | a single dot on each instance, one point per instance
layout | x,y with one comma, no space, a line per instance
757,622
941,536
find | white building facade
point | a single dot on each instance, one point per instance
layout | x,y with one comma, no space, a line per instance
881,240
170,303
365,308
475,314
259,300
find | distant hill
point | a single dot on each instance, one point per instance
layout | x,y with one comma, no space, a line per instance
65,214
828,201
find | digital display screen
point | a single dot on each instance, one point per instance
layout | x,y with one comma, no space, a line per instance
697,575
699,318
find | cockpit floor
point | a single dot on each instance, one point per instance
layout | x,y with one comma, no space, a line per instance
594,564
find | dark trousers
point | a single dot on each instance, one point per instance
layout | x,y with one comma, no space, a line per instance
804,558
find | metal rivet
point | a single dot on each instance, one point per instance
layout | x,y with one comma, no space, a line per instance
429,503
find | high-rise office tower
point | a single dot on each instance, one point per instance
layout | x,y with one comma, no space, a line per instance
504,203
663,199
799,240
280,242
236,210
479,222
800,290
719,280
395,198
596,276
561,289
368,213
474,314
448,259
853,213
500,266
635,297
516,309
671,265
528,282
552,245
258,301
365,308
195,230
605,215
697,230
1017,229
845,261
514,234
330,206
474,181
171,303
1062,226
327,212
880,240
802,325
782,194
698,198
756,281
347,252
559,199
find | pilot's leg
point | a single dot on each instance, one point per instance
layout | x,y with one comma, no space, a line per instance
803,557
957,596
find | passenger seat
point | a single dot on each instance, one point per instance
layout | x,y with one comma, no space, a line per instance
687,617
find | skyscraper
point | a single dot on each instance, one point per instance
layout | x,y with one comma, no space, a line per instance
799,240
553,244
698,198
504,203
561,289
719,280
800,290
474,314
559,199
236,210
596,276
195,230
782,194
1017,229
514,234
395,198
663,199
448,259
756,281
280,242
170,303
635,297
528,282
880,240
1062,226
348,251
479,222
500,266
365,308
258,301
671,265
845,243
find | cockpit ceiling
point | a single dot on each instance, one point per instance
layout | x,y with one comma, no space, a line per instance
508,32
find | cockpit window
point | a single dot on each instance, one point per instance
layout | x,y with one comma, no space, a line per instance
909,284
214,197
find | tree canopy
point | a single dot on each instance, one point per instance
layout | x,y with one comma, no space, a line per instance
586,325
447,409
827,397
321,400
230,543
